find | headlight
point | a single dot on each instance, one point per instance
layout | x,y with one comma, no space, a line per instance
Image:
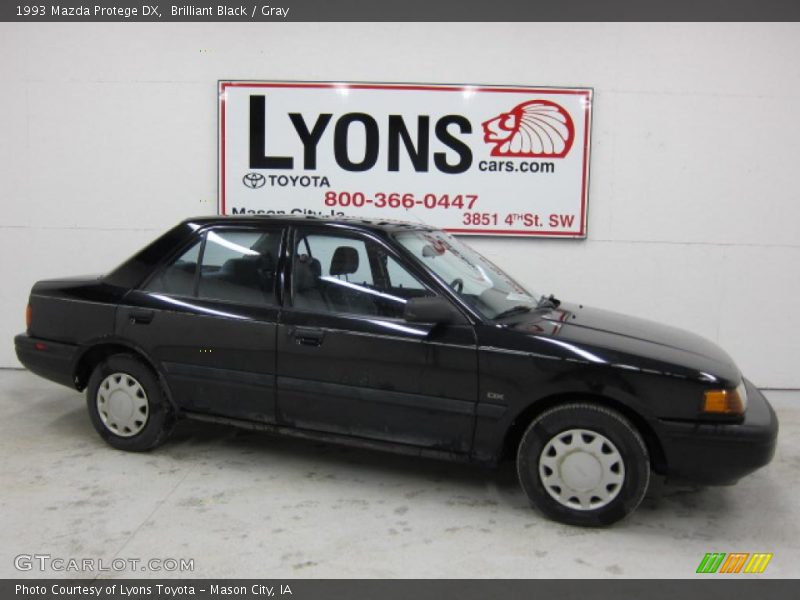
726,402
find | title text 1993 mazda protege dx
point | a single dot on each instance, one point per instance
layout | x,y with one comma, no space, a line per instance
397,336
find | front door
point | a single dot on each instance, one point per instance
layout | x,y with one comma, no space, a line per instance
347,361
209,318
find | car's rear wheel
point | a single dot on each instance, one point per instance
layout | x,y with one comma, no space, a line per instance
583,464
127,404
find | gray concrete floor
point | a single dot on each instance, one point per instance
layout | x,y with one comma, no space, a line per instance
247,504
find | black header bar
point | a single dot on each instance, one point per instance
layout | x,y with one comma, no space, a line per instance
398,10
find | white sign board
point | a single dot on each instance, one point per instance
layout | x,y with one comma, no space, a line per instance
482,160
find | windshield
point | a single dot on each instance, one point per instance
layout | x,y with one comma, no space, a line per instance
478,281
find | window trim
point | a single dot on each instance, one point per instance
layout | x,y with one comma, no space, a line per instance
366,237
168,262
203,235
199,268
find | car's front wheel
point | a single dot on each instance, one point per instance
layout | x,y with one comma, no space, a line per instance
127,404
583,464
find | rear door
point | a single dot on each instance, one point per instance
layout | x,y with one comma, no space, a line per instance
347,361
209,318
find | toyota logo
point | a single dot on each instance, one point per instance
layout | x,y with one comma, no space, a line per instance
254,180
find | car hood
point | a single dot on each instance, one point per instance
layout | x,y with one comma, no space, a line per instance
603,336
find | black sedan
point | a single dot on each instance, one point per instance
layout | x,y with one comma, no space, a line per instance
395,336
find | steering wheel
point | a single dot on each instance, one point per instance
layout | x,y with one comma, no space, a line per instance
457,284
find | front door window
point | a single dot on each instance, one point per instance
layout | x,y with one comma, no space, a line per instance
348,275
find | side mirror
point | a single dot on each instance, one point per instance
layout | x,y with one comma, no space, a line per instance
431,310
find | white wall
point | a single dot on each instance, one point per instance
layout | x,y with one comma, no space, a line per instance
109,137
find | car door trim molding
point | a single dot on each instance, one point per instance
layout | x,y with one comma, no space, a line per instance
497,350
219,374
419,401
491,411
410,340
342,439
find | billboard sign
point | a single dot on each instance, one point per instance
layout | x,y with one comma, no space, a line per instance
483,160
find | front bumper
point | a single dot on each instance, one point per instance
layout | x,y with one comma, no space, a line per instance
51,360
721,454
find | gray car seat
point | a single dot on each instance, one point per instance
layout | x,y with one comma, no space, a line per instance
348,297
308,294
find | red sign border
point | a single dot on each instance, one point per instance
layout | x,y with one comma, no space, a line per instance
588,93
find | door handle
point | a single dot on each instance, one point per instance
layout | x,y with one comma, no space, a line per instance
308,336
141,317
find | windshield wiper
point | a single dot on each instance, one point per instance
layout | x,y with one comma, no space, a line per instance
550,300
514,310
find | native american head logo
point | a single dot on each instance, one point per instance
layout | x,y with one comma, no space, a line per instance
534,128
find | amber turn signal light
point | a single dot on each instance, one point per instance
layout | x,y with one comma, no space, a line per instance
723,402
28,316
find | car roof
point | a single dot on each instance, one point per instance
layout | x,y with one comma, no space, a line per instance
389,225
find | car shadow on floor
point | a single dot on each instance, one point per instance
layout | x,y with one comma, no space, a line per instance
476,485
470,485
319,456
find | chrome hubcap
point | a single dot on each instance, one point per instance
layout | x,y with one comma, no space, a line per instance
581,469
122,404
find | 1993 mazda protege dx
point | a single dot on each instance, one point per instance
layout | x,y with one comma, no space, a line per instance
395,336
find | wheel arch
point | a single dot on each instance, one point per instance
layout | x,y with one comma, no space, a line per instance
521,422
93,354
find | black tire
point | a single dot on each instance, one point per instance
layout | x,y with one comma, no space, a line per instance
160,419
626,443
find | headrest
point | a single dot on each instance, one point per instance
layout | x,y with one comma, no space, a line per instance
344,261
316,267
239,267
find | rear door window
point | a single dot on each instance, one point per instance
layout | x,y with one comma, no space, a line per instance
229,265
178,277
